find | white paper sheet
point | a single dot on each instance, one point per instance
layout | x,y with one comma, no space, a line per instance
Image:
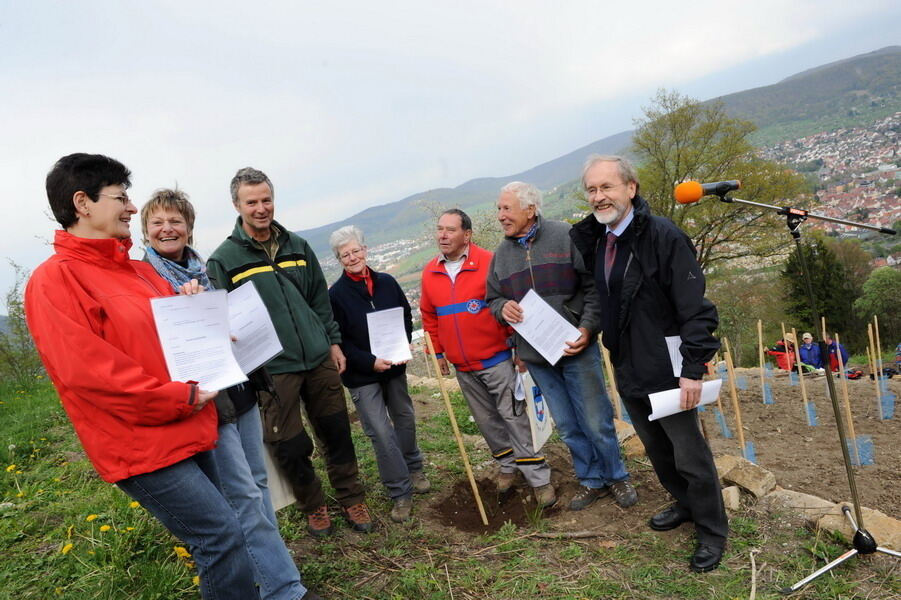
666,403
540,420
387,335
673,343
280,491
544,328
257,342
194,334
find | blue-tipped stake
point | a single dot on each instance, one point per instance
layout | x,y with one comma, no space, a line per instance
742,382
888,406
792,378
767,393
864,451
624,412
811,414
724,428
749,452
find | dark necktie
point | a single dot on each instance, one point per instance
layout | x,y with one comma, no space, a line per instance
609,254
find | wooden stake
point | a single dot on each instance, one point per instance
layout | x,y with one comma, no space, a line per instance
453,420
428,369
800,372
611,377
846,398
734,393
878,346
762,360
871,355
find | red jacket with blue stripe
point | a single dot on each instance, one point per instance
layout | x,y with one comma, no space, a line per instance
455,315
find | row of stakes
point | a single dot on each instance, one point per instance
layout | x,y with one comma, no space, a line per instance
860,448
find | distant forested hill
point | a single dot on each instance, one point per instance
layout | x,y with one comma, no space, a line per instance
845,93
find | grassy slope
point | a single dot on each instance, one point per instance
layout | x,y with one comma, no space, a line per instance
52,489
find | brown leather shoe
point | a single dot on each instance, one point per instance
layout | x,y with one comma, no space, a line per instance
402,509
319,524
358,517
545,496
421,483
505,482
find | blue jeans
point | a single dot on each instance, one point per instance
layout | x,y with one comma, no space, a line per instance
574,390
239,458
184,497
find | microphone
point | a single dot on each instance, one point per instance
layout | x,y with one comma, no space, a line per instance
688,192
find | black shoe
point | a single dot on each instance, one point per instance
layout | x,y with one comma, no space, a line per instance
706,558
667,519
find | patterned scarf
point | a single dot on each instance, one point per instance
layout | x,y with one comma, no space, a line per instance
524,240
176,274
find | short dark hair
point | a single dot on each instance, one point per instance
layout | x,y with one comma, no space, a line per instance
80,172
465,221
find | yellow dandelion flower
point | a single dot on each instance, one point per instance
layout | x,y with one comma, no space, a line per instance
129,529
90,552
20,494
105,528
19,472
134,504
196,580
67,548
10,468
90,518
181,552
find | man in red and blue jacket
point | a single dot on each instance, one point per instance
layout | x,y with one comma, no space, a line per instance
466,334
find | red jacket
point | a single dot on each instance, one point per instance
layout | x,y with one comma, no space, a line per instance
454,313
88,310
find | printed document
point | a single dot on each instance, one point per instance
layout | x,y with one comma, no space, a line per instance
256,340
666,403
194,334
388,336
544,328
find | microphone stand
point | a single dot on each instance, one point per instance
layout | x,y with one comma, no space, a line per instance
863,542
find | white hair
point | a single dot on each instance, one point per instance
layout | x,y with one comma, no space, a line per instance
528,194
344,236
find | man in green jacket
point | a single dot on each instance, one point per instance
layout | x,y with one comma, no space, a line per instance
290,281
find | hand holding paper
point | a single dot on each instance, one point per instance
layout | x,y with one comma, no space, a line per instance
666,403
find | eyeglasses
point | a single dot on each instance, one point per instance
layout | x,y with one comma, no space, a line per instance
356,253
124,199
603,189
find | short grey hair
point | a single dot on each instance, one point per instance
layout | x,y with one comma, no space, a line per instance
627,170
344,236
250,176
528,194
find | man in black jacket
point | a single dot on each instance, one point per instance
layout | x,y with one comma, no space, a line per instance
652,288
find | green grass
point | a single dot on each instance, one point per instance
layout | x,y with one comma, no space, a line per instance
52,490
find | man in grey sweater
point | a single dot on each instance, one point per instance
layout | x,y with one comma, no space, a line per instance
539,254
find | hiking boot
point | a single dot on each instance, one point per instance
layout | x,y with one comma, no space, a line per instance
311,595
545,495
624,494
421,484
318,522
586,496
358,517
505,482
402,509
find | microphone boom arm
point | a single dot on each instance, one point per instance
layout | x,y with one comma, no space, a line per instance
801,214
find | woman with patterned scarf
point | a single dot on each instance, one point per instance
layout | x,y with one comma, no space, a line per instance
167,222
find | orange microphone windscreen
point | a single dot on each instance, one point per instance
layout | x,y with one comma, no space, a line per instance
688,192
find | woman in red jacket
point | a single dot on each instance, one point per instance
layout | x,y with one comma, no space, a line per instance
88,309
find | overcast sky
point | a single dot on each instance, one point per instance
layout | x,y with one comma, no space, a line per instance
347,105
